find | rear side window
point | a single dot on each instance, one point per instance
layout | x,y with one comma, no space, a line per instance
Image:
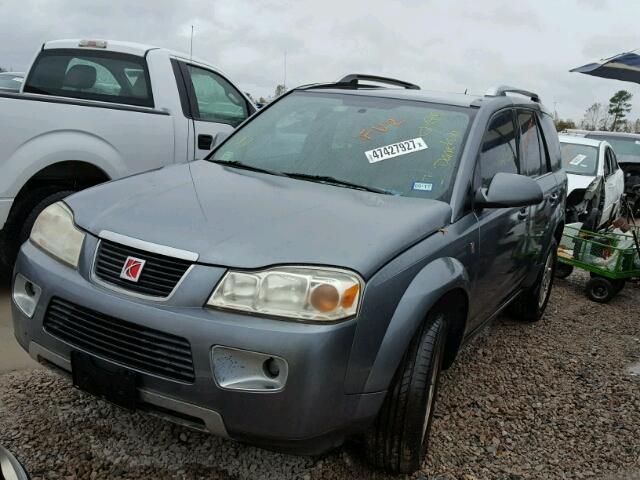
498,153
529,144
552,142
608,163
91,75
216,99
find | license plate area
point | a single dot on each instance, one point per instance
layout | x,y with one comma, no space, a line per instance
103,379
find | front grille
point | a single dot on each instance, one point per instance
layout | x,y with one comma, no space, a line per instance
160,273
127,343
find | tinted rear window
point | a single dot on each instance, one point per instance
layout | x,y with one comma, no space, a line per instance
91,75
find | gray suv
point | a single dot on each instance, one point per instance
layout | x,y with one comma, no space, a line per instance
309,280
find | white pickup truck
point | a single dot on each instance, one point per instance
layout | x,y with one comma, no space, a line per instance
93,110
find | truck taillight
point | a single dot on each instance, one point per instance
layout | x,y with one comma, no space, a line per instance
93,43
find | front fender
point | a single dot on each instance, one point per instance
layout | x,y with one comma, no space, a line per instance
422,290
433,281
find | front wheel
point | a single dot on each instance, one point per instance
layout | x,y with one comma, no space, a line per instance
397,443
531,303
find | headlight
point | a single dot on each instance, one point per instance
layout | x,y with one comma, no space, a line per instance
55,233
304,293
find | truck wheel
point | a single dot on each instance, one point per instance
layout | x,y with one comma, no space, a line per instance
600,289
563,270
531,303
397,443
21,222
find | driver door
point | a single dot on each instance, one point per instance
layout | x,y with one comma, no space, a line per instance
216,106
502,256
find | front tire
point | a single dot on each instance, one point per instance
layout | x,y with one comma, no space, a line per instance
531,303
397,443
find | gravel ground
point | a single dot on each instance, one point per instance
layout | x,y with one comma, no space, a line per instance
551,400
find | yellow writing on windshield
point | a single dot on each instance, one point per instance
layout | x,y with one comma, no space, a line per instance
384,127
449,150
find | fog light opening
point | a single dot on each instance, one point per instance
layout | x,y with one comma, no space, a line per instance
26,295
29,289
271,368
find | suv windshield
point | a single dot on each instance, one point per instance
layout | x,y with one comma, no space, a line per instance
407,148
627,149
579,159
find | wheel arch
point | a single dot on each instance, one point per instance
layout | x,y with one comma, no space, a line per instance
69,174
65,175
442,282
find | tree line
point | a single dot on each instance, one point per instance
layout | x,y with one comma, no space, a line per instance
612,117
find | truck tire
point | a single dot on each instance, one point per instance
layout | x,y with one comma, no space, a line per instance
23,217
530,305
397,442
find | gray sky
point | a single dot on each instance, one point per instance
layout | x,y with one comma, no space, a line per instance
439,45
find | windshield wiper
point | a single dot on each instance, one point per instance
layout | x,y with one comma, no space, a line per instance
245,166
336,181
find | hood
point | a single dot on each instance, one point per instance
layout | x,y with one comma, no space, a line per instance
575,182
242,219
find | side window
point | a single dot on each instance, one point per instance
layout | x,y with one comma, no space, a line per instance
614,161
607,163
91,75
529,144
216,99
551,141
498,151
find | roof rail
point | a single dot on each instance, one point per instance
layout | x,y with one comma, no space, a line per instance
354,79
502,90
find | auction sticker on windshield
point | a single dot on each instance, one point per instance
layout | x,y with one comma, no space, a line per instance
395,150
577,160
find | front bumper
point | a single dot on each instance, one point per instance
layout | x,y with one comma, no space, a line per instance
310,414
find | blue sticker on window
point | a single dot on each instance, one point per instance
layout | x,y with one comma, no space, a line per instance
425,187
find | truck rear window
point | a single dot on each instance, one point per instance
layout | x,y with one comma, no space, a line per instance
91,75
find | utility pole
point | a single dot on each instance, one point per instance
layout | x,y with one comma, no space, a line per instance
191,46
284,82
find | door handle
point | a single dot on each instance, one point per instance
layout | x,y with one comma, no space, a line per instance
553,198
205,142
523,213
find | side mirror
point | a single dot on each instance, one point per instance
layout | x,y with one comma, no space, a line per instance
219,138
10,467
509,190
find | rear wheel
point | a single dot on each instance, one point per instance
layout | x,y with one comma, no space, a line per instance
601,290
398,441
19,225
532,302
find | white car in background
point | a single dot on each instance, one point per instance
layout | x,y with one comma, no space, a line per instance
596,181
11,81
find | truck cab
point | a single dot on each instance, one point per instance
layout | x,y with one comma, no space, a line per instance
90,111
